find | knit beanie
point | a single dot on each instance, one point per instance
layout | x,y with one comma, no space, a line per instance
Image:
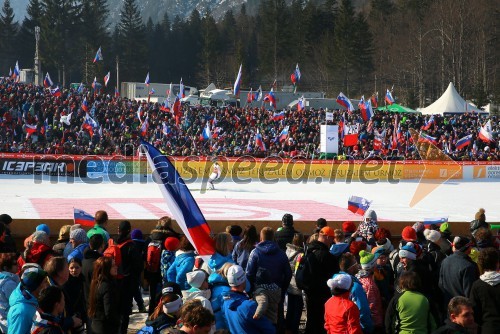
124,226
74,227
387,245
367,259
382,233
409,234
40,237
79,235
356,247
32,277
445,228
408,251
349,227
432,235
287,220
196,278
461,243
235,275
371,214
43,227
136,234
171,244
418,227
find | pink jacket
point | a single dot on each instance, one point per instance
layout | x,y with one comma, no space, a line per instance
374,298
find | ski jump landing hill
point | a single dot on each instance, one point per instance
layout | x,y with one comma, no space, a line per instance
40,188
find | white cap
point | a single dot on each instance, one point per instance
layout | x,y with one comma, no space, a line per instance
432,235
340,281
235,275
196,278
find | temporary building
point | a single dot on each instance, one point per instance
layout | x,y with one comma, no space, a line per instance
450,103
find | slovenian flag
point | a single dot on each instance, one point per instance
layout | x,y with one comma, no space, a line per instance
259,142
85,105
358,205
17,72
94,83
283,134
47,82
301,105
271,98
367,111
463,142
388,97
435,220
180,202
428,124
98,55
181,90
117,92
426,138
147,80
237,84
106,79
279,116
345,102
83,218
295,76
55,92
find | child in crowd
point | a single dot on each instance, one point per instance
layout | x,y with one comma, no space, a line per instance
267,295
168,256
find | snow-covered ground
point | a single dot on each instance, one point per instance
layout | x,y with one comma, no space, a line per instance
22,197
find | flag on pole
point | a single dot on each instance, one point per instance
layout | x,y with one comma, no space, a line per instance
278,116
98,55
117,92
83,218
206,134
85,105
181,90
237,83
47,82
55,92
388,97
434,220
463,142
425,138
180,202
17,72
94,83
295,76
147,80
106,79
259,94
486,133
271,98
358,205
283,134
259,142
345,102
428,124
301,105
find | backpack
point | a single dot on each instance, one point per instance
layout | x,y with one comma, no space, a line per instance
114,251
153,256
303,271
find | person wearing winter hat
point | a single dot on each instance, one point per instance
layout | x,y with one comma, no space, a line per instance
43,227
23,300
366,278
37,251
369,224
458,272
341,314
267,294
479,221
198,280
167,312
409,234
419,229
434,250
239,310
357,246
79,241
285,234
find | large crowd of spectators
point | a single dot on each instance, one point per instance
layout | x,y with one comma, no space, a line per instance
351,280
34,119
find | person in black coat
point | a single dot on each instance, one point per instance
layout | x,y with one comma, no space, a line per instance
322,267
284,235
461,318
485,292
90,255
7,245
104,300
73,289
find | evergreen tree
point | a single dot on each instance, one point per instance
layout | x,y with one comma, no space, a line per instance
26,36
60,26
209,53
8,31
132,37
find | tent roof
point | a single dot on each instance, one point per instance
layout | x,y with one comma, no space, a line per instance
450,102
397,108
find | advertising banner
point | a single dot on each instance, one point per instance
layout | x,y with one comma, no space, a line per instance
329,139
44,166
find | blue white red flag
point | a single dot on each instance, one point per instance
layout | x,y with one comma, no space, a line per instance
83,218
166,129
145,126
374,99
80,88
85,105
367,111
283,134
428,124
425,138
301,105
435,220
117,92
345,102
152,91
250,96
146,81
47,82
55,92
30,129
17,72
296,75
358,205
180,202
388,97
106,79
259,142
237,83
181,90
94,83
278,116
463,142
206,134
271,98
98,55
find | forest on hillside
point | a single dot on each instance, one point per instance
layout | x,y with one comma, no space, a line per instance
415,47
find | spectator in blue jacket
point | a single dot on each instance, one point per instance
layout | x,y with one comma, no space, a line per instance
242,249
23,300
183,263
80,242
349,265
239,310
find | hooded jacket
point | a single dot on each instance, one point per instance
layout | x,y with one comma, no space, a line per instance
239,311
485,298
22,310
240,255
342,315
373,296
39,253
183,263
8,283
268,255
219,288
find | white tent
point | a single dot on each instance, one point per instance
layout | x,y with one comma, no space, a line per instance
450,102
